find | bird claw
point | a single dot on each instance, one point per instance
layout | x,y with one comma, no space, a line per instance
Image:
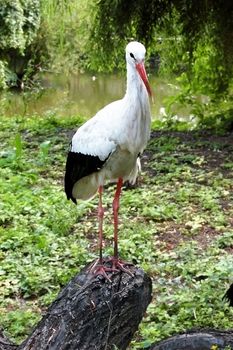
119,265
101,270
99,267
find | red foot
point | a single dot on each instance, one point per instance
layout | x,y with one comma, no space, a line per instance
120,265
99,268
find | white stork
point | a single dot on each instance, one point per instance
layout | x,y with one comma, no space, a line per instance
107,148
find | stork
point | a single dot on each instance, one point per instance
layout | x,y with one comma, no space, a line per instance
107,148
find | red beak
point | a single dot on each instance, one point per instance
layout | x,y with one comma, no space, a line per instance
142,72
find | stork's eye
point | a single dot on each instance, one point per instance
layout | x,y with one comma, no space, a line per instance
132,55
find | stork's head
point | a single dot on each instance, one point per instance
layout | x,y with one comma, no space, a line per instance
135,56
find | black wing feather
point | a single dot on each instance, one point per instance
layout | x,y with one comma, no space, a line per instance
79,165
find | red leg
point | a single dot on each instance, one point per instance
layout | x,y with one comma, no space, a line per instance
98,268
118,264
100,216
115,205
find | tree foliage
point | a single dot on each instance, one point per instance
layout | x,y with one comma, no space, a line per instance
193,40
66,26
119,20
19,23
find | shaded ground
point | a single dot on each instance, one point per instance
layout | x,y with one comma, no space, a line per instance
216,150
215,155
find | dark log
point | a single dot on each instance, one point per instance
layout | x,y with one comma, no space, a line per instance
6,344
93,313
197,340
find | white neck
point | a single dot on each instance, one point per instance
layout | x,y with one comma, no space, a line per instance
134,82
136,93
138,109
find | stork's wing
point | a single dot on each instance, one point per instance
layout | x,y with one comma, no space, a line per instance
79,165
97,137
91,146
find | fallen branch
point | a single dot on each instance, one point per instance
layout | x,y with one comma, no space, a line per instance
6,344
197,340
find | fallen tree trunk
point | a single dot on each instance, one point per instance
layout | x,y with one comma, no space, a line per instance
6,344
197,340
91,313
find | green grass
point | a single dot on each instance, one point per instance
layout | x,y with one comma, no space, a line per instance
177,224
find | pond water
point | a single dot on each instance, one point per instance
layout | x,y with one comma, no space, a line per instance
81,94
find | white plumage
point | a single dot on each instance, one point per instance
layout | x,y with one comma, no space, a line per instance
107,147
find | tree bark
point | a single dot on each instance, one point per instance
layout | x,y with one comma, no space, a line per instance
197,340
6,344
93,313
